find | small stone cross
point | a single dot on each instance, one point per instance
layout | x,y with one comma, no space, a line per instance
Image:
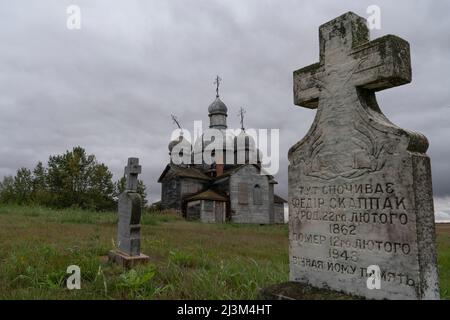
131,172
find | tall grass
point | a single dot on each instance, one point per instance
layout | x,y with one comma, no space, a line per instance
188,260
76,215
444,265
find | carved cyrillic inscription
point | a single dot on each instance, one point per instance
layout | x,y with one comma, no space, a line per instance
347,208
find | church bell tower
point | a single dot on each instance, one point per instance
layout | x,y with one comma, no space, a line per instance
217,110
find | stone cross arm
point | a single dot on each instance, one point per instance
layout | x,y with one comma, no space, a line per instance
131,172
306,88
345,47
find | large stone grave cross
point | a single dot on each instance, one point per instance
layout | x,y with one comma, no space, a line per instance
360,193
130,210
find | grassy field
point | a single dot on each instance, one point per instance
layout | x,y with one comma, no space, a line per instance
189,260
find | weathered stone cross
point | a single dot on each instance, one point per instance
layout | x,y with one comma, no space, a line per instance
342,86
131,172
338,170
348,60
128,250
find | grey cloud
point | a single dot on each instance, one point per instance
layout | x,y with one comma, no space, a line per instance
111,86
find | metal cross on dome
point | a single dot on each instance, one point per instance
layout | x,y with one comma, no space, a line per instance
217,83
177,122
241,115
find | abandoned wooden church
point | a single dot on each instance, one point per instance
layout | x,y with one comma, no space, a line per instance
222,190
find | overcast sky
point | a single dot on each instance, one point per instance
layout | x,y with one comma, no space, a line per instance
111,86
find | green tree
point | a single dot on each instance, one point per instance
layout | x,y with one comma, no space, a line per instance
40,193
78,180
101,188
23,186
71,179
7,190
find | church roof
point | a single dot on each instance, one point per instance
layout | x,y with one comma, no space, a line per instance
207,195
238,167
278,199
184,172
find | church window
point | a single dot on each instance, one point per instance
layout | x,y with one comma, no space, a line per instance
257,197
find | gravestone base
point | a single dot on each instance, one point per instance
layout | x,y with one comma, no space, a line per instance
126,261
299,291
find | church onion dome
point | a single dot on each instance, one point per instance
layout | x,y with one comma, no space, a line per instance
249,143
180,139
245,145
172,144
217,107
198,145
228,143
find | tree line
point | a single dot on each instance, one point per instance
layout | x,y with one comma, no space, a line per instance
72,179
